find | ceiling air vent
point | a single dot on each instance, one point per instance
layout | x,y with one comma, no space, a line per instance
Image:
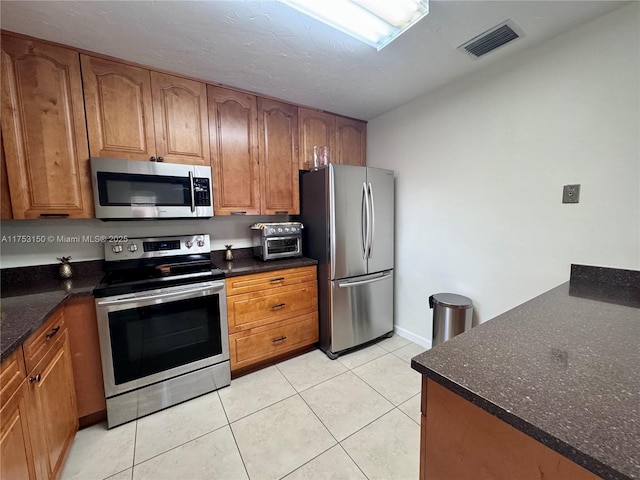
492,39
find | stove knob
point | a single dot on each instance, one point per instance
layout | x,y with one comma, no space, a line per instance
116,248
294,229
188,244
200,242
271,231
279,229
133,248
286,229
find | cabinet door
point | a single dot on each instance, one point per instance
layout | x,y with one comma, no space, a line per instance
16,454
119,109
278,122
316,128
52,391
80,318
351,142
233,132
43,126
180,119
5,198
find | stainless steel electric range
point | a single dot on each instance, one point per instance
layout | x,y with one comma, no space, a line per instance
162,324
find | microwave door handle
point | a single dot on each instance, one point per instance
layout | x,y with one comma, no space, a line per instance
191,192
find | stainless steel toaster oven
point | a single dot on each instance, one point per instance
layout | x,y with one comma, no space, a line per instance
277,240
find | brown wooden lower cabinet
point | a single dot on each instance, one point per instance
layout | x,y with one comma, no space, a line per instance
462,441
80,316
39,416
270,314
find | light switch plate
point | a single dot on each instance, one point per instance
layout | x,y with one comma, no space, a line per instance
571,194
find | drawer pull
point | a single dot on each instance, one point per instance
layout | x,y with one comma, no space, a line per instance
53,332
277,305
274,280
37,378
54,215
238,213
279,339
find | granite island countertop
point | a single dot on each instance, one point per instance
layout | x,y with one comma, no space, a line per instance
563,368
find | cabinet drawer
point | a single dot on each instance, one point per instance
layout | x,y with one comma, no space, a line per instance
262,343
278,278
37,345
12,373
267,306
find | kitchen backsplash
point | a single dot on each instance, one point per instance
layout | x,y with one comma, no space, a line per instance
41,242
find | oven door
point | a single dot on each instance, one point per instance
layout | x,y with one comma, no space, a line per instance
152,336
282,247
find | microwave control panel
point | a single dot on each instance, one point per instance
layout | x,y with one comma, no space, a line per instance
202,192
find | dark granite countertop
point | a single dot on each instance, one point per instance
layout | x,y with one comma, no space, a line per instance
563,368
31,294
247,266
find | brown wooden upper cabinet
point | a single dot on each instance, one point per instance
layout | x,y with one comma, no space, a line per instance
346,138
5,197
278,153
316,128
138,114
351,142
43,127
233,134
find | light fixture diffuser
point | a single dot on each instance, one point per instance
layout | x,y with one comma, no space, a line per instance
375,22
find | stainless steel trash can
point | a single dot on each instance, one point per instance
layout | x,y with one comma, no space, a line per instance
451,316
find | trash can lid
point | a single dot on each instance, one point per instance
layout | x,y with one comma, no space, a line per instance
452,300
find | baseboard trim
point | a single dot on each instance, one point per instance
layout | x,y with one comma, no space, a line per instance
404,333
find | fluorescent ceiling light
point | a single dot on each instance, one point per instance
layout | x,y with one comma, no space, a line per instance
375,22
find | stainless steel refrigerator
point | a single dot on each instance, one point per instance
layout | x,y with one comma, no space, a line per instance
348,217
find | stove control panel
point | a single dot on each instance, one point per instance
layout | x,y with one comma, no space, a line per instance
155,247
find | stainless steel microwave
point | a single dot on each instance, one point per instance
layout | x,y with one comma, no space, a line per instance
126,189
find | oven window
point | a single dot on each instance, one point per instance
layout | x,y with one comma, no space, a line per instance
124,189
152,339
282,245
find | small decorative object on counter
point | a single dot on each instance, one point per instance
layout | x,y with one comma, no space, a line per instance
67,285
228,256
65,268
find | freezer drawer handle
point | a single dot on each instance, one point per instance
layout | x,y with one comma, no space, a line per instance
279,339
277,305
363,282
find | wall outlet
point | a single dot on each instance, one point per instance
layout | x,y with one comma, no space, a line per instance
571,194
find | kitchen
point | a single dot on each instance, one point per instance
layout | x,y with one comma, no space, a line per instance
539,133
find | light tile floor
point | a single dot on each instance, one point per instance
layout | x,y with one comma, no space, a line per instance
309,417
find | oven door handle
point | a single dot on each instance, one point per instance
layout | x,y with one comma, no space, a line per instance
177,293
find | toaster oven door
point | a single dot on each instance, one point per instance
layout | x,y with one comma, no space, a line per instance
282,247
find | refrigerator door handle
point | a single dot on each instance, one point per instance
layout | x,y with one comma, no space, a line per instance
382,276
372,223
364,220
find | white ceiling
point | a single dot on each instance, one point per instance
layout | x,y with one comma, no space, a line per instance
265,47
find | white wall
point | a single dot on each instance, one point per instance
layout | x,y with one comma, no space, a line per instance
15,252
480,166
